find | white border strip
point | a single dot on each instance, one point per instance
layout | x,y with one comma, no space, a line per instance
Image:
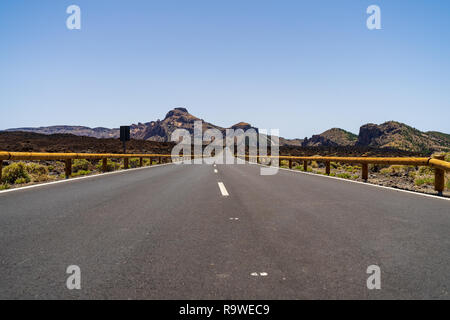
359,182
85,177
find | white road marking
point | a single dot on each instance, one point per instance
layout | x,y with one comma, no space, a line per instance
234,218
215,171
259,274
360,182
85,177
223,189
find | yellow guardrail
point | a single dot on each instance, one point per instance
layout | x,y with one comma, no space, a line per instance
438,163
68,157
440,166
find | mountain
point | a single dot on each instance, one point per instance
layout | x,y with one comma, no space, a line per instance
75,130
398,135
178,118
159,130
390,134
331,138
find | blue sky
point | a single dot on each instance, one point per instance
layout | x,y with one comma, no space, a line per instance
300,66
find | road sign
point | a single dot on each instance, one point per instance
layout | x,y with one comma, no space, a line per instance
124,133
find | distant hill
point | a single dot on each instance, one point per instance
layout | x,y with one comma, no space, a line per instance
398,135
391,134
331,138
159,130
75,130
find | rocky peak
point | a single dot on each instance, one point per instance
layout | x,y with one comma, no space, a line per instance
177,112
241,125
368,133
331,138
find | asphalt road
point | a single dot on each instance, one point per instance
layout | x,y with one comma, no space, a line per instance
169,232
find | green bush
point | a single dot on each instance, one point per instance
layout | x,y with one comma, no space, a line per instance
4,186
80,164
424,180
36,168
14,172
21,181
134,163
80,173
110,165
425,170
284,164
349,169
344,175
38,172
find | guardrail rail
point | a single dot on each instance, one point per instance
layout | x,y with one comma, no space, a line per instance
438,163
68,157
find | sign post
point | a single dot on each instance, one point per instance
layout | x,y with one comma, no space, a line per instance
124,136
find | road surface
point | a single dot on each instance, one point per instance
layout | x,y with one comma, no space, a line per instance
175,232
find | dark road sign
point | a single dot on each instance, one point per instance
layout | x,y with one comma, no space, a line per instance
124,133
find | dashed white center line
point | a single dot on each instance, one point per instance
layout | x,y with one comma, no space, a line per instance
215,171
223,189
259,274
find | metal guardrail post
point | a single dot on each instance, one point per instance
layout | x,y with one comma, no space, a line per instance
1,168
328,168
125,163
159,161
141,162
365,172
104,164
290,163
68,168
305,165
439,177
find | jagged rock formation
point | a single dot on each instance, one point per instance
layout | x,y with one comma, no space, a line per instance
398,135
390,134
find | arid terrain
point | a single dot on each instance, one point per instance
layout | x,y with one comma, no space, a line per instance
391,134
390,139
16,174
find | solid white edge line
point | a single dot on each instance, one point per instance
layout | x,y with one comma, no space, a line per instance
223,190
85,177
359,182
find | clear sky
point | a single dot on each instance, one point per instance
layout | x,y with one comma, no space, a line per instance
300,66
